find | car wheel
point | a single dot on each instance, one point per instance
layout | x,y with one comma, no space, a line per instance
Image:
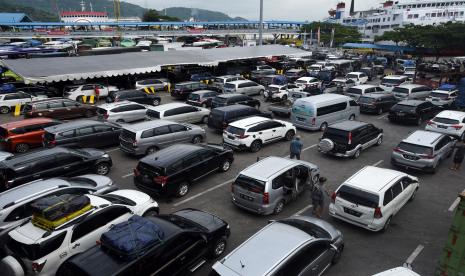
284,97
413,195
102,168
380,111
151,150
386,225
379,141
88,114
255,146
218,248
279,207
289,135
182,190
338,255
323,126
225,166
352,117
205,120
197,139
155,102
22,147
357,153
150,213
4,110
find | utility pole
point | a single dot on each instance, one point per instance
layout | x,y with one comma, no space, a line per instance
260,27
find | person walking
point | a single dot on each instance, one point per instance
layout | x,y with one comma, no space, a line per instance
318,196
296,147
459,154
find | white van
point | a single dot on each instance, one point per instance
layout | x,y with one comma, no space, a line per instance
317,112
389,82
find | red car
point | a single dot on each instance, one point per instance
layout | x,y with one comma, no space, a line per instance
22,135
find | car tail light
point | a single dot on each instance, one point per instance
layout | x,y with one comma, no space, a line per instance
313,121
428,156
333,197
457,127
396,149
136,172
162,180
378,213
105,116
37,267
134,143
242,136
430,123
350,138
266,198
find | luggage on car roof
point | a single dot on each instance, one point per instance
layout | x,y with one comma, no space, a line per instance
132,238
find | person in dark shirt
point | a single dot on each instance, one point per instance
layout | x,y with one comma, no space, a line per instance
459,154
296,148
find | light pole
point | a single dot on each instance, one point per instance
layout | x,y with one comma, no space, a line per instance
260,27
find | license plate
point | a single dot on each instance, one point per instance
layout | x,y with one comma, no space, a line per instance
231,137
249,198
440,126
301,119
400,114
435,100
410,157
352,212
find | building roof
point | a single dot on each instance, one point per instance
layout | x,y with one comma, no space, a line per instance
14,17
44,70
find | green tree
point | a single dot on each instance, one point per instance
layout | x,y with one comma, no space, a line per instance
152,15
342,34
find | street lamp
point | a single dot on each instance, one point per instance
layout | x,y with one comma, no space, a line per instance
260,27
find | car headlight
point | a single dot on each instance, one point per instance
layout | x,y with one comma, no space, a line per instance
106,155
227,226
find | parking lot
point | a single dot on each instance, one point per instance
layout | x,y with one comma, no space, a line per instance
417,233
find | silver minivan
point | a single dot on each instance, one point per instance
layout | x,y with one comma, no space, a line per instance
245,87
266,186
179,112
149,136
317,112
411,92
121,112
220,81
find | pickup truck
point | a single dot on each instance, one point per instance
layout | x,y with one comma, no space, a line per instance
284,108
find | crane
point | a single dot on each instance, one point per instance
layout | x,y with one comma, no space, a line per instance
117,11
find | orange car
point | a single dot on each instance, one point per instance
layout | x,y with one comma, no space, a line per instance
22,135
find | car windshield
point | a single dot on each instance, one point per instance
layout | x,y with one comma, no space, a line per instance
403,107
82,181
391,81
180,86
301,81
36,251
153,114
183,223
229,86
366,100
291,73
250,184
194,97
415,148
273,89
439,95
352,76
308,227
116,199
356,91
70,88
446,121
218,80
358,197
400,90
220,100
235,130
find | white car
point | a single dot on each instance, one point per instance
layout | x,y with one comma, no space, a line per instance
372,196
157,84
389,82
355,92
42,251
280,92
76,92
448,122
308,82
398,271
358,77
121,112
445,98
10,100
253,132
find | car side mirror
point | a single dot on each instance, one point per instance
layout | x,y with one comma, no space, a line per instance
334,247
271,221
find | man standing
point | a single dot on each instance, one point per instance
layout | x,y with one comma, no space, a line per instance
459,155
296,148
318,196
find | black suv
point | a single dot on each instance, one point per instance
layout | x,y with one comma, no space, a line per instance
231,99
54,162
183,89
413,112
137,96
349,138
173,169
82,133
220,117
376,102
190,237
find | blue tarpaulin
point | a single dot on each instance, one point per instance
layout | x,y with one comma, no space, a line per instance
380,47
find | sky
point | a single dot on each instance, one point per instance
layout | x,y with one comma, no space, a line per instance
311,10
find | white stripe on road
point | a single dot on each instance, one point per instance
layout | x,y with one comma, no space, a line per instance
382,117
127,175
377,163
455,203
202,193
413,256
303,210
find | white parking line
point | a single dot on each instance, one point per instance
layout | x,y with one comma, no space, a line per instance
382,117
202,193
303,210
377,163
112,150
127,175
455,203
304,149
413,256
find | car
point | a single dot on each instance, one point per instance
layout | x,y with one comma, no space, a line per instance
338,86
308,81
358,77
77,92
266,186
5,155
355,92
411,92
412,111
202,98
389,82
202,76
15,204
191,237
314,69
220,81
171,171
221,117
280,92
398,271
182,90
245,87
20,136
58,108
443,97
150,136
423,150
376,102
44,250
369,71
82,134
448,122
121,112
273,79
158,84
253,132
372,197
37,91
293,74
264,68
298,245
178,112
349,138
234,99
46,163
136,96
9,101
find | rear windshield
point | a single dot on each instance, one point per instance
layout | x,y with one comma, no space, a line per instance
415,148
153,114
220,100
352,76
301,81
400,90
82,181
146,169
358,197
218,80
250,184
36,251
336,134
273,89
235,130
356,91
439,95
303,110
291,73
128,135
403,107
180,86
392,81
70,88
446,121
229,85
194,97
366,100
101,111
